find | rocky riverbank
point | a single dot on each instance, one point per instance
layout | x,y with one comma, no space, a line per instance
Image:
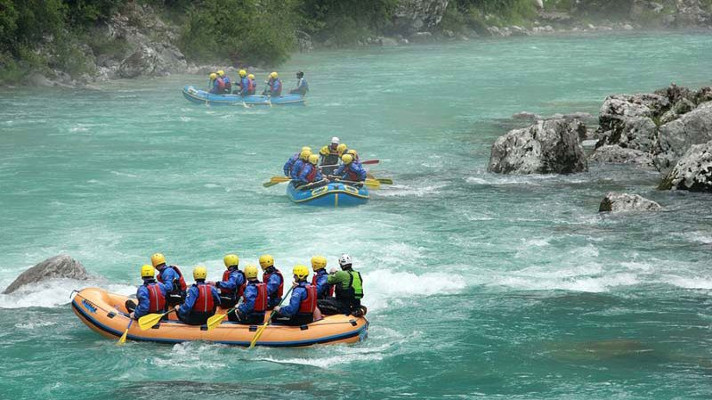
139,42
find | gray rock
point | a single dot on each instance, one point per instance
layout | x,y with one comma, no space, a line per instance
386,41
622,202
411,16
636,133
421,36
693,171
618,107
612,154
61,266
550,146
676,137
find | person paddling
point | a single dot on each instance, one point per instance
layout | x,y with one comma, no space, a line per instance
349,290
274,280
300,310
171,277
233,282
151,295
201,300
254,300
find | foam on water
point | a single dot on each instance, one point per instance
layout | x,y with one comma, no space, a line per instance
384,292
56,293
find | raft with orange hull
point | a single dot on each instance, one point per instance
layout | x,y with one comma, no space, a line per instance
106,314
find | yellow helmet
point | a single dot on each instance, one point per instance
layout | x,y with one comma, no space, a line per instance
213,76
251,76
324,151
158,259
274,75
318,262
301,272
200,272
266,261
147,271
314,159
250,272
306,148
341,148
347,158
242,72
353,153
304,155
230,260
221,72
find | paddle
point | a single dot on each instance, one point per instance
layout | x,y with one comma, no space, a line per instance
122,339
275,180
262,328
148,321
217,319
362,162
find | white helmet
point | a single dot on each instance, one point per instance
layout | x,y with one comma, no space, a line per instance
345,259
335,140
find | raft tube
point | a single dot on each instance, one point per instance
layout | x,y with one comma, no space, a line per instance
333,194
202,97
106,314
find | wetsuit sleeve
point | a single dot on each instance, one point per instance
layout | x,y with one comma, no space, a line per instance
338,277
305,172
340,171
216,295
143,302
190,299
298,294
321,282
361,172
295,169
249,303
319,176
230,283
288,166
273,284
168,275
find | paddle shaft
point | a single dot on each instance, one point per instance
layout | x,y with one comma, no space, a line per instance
262,328
122,339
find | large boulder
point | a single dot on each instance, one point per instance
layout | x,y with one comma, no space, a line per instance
612,154
61,266
548,146
619,202
413,16
676,137
693,170
629,120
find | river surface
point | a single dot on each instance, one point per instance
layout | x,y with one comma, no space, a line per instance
478,285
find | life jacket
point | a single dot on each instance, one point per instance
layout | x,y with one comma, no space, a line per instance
228,84
308,305
354,292
351,174
221,83
240,289
251,85
205,302
280,290
157,301
312,174
276,87
329,288
181,281
261,300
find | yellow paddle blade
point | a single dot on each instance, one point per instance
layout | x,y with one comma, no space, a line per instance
276,180
148,321
215,320
385,181
372,184
258,334
122,339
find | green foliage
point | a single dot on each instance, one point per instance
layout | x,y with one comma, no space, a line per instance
243,31
478,14
81,13
345,21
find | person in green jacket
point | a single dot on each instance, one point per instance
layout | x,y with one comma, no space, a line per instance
349,290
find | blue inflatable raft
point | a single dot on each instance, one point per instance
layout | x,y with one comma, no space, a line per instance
202,97
333,194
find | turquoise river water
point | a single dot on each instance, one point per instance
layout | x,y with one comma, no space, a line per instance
478,285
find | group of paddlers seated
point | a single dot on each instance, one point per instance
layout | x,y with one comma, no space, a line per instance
333,161
246,297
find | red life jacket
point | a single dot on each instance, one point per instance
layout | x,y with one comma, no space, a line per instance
352,175
221,84
312,175
205,302
181,281
280,290
308,305
251,85
240,289
157,301
261,300
330,291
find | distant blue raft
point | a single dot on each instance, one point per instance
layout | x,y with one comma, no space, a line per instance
333,194
202,97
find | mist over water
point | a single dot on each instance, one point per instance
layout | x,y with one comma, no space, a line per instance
478,285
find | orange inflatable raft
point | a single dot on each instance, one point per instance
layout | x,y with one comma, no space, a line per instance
106,314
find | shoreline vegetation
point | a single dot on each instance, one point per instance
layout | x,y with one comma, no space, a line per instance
77,42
